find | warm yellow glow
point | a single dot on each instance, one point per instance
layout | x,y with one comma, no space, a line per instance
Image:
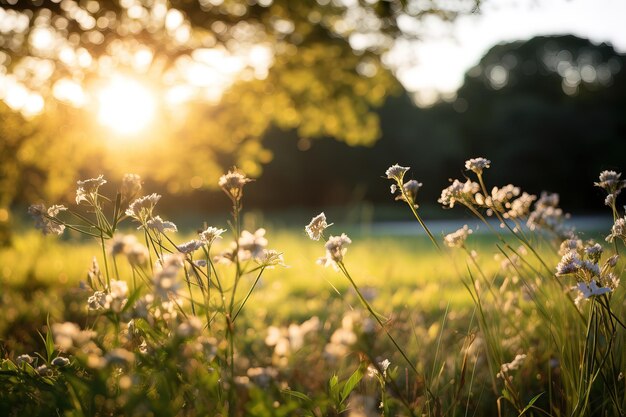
126,106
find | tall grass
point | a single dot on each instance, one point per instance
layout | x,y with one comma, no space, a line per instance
207,327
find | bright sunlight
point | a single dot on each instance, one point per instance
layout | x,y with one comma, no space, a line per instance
126,105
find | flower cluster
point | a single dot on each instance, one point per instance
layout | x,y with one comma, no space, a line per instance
335,250
232,183
618,230
45,218
548,216
583,262
114,298
288,340
459,192
141,209
406,191
136,253
317,225
88,189
610,181
477,165
457,239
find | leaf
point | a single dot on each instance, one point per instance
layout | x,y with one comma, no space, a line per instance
297,394
333,385
530,404
352,382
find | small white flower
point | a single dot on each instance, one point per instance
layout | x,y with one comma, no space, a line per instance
477,165
511,366
161,226
232,183
317,225
190,247
591,289
141,209
211,234
336,247
45,218
570,264
396,172
87,189
131,185
251,245
458,238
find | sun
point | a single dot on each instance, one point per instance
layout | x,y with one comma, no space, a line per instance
126,105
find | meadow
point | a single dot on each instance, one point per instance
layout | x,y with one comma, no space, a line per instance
524,320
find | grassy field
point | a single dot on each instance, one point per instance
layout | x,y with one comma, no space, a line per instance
524,320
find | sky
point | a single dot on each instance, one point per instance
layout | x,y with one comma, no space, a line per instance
440,61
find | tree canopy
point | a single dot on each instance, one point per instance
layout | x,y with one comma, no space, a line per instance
217,73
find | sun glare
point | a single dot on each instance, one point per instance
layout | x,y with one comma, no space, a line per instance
126,106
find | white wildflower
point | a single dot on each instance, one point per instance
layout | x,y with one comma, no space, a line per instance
477,165
396,172
569,264
591,289
520,207
410,188
141,209
161,226
594,252
618,230
88,189
45,218
511,366
336,247
165,279
610,181
459,192
232,183
458,238
68,336
569,245
190,247
251,245
131,185
316,226
211,234
271,258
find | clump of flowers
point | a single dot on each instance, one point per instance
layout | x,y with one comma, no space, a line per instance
618,230
548,216
459,192
141,209
88,190
583,262
457,239
46,218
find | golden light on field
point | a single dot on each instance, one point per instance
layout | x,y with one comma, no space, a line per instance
126,106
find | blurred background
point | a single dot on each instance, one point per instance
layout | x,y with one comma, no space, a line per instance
313,99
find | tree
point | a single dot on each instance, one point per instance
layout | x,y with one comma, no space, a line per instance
221,73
